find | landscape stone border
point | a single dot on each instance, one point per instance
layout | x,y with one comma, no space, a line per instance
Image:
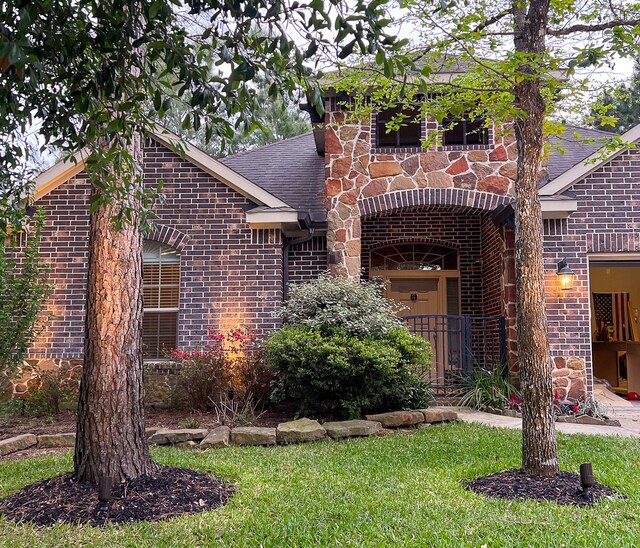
297,431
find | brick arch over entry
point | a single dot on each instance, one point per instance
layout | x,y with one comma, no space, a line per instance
169,236
423,199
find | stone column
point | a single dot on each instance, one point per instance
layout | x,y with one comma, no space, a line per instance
347,156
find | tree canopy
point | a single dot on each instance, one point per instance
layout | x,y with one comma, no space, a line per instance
94,73
618,109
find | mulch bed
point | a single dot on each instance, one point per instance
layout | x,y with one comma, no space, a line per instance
563,488
170,492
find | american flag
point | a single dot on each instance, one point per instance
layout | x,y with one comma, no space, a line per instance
611,309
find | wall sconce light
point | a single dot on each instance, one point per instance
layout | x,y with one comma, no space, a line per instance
565,275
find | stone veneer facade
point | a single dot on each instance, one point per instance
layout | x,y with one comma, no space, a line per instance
444,195
356,170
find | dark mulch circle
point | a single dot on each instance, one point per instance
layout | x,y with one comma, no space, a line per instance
170,492
563,488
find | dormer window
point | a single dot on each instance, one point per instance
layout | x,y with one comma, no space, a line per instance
464,131
409,133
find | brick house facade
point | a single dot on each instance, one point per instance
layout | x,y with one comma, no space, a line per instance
248,225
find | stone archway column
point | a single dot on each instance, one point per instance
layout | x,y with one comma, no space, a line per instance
344,239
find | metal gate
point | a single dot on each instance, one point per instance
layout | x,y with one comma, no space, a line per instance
458,345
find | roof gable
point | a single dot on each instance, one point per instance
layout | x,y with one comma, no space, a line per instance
64,170
290,169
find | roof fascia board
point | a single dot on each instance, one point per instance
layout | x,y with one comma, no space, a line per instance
558,209
218,170
586,167
59,173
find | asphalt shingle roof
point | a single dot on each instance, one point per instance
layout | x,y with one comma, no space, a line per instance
576,149
291,170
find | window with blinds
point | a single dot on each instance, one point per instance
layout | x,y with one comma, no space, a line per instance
161,287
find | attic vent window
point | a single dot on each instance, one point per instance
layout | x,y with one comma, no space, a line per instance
409,132
464,131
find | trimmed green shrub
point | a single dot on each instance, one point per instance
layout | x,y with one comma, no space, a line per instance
332,372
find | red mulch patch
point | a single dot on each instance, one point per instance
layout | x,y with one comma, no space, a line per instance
169,493
563,488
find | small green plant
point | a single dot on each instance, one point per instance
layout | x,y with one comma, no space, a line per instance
189,423
52,391
489,390
12,408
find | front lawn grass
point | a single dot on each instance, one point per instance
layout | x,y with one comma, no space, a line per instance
402,490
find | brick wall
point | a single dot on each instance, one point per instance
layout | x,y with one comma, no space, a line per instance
492,267
606,222
455,230
308,260
230,275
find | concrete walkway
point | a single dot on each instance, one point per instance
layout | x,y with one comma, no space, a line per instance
629,419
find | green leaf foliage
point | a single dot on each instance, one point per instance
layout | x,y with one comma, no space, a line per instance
618,109
344,351
24,290
357,307
488,390
335,373
97,74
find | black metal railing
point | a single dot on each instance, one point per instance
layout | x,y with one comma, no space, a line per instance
459,344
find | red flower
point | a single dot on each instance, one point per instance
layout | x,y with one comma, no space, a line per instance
495,389
575,408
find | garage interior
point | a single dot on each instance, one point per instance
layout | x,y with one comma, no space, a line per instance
615,322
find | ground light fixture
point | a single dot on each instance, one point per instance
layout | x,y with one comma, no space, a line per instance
565,275
586,480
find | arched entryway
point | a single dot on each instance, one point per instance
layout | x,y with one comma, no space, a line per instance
446,268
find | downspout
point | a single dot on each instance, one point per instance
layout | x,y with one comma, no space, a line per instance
285,267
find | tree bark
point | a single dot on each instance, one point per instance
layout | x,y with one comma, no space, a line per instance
110,438
539,449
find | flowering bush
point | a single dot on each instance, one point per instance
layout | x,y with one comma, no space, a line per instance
53,390
230,364
343,351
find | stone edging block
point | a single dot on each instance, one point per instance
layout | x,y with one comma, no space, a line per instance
18,443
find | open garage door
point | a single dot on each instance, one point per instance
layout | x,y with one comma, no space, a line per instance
615,321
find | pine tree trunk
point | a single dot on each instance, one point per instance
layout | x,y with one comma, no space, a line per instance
110,438
539,450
